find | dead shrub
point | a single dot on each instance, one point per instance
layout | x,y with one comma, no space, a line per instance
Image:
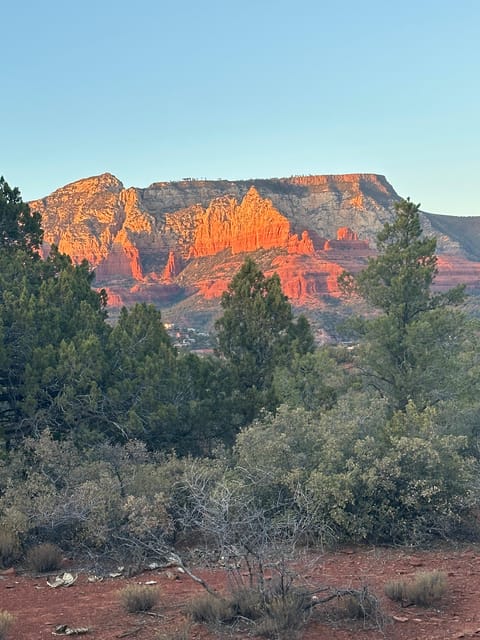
44,557
10,549
138,597
426,589
6,621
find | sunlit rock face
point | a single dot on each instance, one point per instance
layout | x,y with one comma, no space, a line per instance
173,241
241,227
96,219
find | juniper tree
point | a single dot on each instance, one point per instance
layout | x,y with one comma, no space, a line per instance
410,350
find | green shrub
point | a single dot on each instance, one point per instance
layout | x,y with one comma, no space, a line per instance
6,621
44,557
10,549
425,590
138,597
51,491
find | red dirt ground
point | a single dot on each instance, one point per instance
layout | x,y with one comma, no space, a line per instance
39,609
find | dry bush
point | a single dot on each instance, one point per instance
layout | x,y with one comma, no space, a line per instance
275,616
395,590
285,615
44,557
6,621
210,610
10,549
359,605
138,597
247,603
425,590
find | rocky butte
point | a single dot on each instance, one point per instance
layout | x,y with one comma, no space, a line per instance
178,244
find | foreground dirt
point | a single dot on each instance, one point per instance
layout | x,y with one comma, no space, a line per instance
40,609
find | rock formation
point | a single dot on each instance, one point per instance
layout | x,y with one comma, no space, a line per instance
251,225
345,233
174,241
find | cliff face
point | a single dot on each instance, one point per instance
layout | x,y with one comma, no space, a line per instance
98,220
174,240
251,225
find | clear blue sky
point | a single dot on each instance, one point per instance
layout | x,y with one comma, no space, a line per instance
160,89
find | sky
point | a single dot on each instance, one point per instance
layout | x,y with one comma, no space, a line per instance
154,90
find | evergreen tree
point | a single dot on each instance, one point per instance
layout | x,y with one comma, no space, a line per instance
48,309
142,383
19,227
256,333
394,357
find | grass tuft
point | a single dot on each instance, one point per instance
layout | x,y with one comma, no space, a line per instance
138,597
210,610
44,557
285,615
425,590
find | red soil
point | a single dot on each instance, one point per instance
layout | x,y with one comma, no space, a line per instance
39,609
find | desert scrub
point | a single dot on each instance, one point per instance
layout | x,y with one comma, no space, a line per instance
425,589
10,549
361,605
6,621
210,610
274,615
138,597
285,615
44,557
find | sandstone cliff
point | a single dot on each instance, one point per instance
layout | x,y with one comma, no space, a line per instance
175,240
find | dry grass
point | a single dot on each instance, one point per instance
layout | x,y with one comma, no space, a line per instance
425,590
247,603
44,557
6,621
361,605
210,610
285,615
139,597
272,616
182,633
